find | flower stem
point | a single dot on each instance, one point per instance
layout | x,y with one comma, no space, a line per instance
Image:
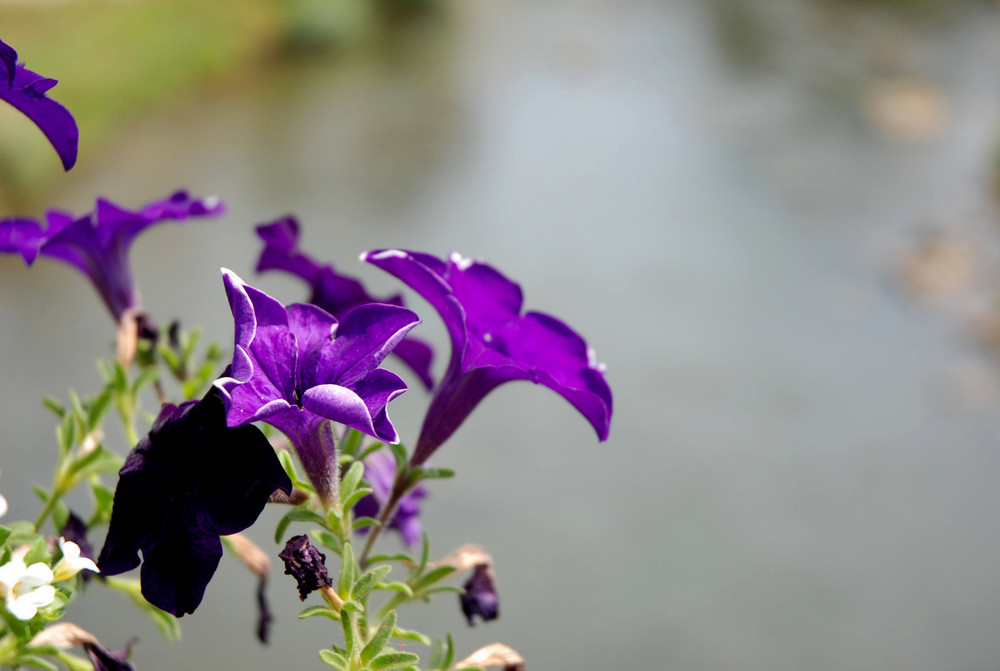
49,506
399,490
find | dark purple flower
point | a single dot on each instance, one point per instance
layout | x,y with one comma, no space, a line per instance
306,564
189,481
97,243
332,291
493,343
297,367
480,596
26,91
107,660
380,471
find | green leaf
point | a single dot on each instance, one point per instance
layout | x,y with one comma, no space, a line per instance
436,473
38,662
347,623
279,531
37,553
351,442
322,611
327,540
120,379
306,515
366,583
330,658
449,656
5,533
399,452
352,606
431,577
54,405
396,587
98,409
425,549
350,482
348,572
66,434
363,522
355,496
104,502
380,638
399,556
443,588
411,635
371,449
393,660
145,377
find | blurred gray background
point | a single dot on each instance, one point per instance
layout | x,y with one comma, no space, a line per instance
775,222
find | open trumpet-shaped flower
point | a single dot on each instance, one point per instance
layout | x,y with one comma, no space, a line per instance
26,91
297,367
191,480
97,243
332,291
493,343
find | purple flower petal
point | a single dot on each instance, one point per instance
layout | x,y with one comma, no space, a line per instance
493,343
296,367
97,243
25,91
335,293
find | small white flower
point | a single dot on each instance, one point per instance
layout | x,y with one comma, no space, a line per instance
25,589
71,562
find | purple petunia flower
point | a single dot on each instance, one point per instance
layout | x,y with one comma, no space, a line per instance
191,480
26,90
332,291
380,471
108,660
297,367
97,243
493,343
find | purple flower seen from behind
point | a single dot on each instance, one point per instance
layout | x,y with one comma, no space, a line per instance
332,291
493,343
480,597
97,243
380,472
297,367
108,660
26,91
191,480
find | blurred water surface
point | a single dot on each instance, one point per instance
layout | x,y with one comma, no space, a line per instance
803,462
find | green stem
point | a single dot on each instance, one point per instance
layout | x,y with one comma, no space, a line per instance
399,490
50,505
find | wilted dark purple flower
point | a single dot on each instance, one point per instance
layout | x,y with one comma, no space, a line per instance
97,243
26,90
108,660
297,367
380,471
332,291
480,596
493,343
189,481
306,564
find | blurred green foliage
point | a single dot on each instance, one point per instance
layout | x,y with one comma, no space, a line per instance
115,59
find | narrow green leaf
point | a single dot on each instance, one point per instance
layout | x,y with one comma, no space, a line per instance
437,473
449,655
366,583
279,531
350,482
347,623
396,587
399,556
120,379
379,640
355,496
5,533
431,577
393,660
363,522
54,405
327,540
436,662
98,409
399,452
411,635
306,515
351,442
443,588
322,611
348,571
425,549
330,658
371,449
37,662
146,376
